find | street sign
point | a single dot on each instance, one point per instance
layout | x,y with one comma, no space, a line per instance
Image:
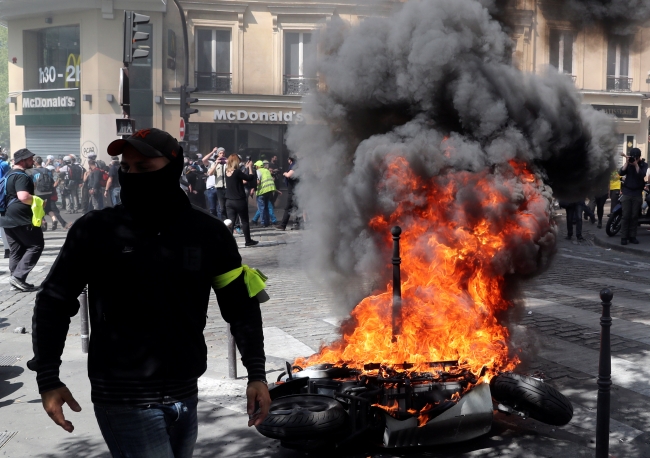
182,131
125,126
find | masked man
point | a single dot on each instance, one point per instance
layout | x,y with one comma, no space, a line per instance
147,348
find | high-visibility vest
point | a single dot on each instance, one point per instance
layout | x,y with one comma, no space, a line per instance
266,183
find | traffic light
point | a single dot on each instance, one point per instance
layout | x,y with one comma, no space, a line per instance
186,101
132,36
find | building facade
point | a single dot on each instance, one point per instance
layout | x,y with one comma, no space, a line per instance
611,72
252,63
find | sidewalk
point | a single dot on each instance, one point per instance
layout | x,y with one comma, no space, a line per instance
601,239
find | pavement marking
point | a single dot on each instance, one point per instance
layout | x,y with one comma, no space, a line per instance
5,436
631,375
584,419
634,264
638,332
589,295
632,286
280,344
222,393
335,320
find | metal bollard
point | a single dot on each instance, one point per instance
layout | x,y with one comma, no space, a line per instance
232,355
397,284
85,323
604,377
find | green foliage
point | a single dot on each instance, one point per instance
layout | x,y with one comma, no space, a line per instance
4,89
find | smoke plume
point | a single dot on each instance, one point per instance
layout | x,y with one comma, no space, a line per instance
620,17
433,84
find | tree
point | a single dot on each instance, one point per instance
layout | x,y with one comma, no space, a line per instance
4,89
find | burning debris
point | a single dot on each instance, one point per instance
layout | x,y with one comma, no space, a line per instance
426,125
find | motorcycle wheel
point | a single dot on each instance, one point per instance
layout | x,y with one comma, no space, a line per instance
613,225
539,400
303,417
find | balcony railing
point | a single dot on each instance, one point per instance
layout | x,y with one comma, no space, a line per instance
213,82
299,85
619,84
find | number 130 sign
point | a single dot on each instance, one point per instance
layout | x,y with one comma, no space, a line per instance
72,72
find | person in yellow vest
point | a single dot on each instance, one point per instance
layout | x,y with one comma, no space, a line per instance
265,189
614,190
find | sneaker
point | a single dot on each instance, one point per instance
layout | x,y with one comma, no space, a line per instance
251,243
54,225
623,241
68,226
600,224
280,227
239,231
633,240
21,285
254,223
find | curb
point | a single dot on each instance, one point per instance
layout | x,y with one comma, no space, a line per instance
622,248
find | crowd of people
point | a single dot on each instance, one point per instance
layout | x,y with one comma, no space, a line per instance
226,184
627,185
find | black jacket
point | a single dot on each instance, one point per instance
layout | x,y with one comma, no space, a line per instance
633,183
148,299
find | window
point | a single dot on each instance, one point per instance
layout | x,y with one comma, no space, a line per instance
561,50
299,72
58,60
213,60
618,64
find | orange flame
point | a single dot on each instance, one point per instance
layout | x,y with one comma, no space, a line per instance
462,233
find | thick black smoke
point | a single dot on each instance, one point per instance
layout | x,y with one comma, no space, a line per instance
620,17
431,83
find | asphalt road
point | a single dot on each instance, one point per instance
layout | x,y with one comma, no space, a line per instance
555,324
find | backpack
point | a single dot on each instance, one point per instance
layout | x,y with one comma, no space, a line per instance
103,177
43,182
75,173
3,192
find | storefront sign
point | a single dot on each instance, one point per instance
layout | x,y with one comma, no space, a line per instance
620,111
50,108
258,116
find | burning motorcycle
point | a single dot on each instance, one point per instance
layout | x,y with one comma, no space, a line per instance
397,407
613,225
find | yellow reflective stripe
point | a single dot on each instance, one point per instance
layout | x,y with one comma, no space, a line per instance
254,279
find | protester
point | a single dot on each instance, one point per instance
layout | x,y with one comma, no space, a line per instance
73,179
44,187
216,182
94,183
236,197
196,180
290,180
265,188
573,216
147,348
25,241
272,198
112,191
4,169
634,172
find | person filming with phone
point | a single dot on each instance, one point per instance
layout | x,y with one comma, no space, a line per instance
634,170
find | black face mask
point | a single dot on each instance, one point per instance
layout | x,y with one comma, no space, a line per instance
152,194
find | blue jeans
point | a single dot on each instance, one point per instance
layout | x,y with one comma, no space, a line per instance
153,431
115,196
211,195
263,203
271,214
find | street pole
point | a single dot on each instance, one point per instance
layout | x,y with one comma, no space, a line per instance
186,46
232,355
85,324
604,377
397,284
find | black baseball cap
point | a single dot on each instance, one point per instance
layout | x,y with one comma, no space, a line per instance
22,154
149,142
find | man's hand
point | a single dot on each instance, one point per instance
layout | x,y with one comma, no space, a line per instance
53,401
257,392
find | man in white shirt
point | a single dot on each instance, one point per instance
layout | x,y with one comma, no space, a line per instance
216,182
